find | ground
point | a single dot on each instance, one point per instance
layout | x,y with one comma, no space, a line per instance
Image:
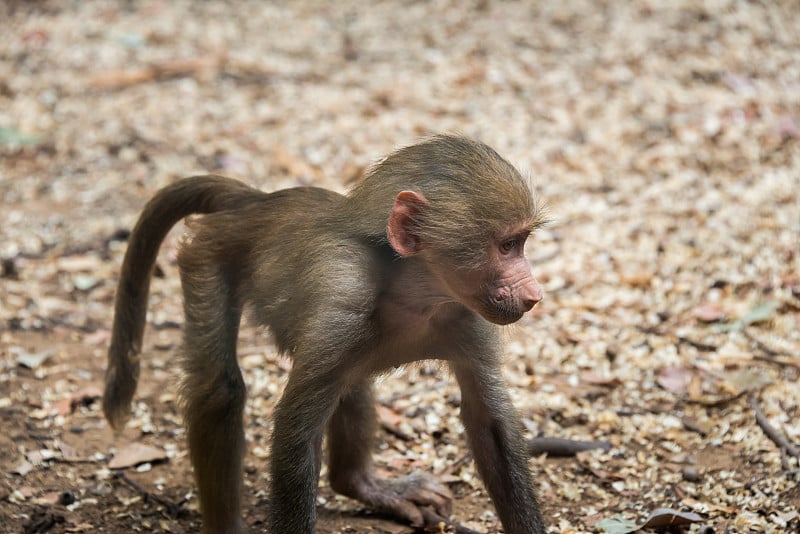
664,136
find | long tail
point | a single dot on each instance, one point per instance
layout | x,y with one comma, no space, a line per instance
200,194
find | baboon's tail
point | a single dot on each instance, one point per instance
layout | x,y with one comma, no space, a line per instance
200,194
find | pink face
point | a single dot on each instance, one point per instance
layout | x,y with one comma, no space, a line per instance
503,289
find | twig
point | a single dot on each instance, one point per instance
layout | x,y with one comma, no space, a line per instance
62,460
157,71
771,355
455,465
173,509
718,403
395,431
704,347
789,473
776,361
785,459
769,351
560,447
699,345
772,432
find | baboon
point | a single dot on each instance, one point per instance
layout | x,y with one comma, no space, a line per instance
423,258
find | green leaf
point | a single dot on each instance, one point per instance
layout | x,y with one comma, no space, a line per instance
729,327
12,136
617,525
762,312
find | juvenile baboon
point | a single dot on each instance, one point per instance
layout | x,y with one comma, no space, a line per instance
422,259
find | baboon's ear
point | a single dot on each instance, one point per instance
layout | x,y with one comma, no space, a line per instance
400,230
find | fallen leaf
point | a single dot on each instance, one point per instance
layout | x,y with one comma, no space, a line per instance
16,497
69,454
759,314
98,337
84,397
85,282
747,379
135,454
23,468
709,506
703,428
51,498
80,263
33,361
787,127
708,313
81,527
666,517
387,416
13,137
675,379
394,423
38,457
63,406
637,279
659,518
762,312
617,525
594,379
738,82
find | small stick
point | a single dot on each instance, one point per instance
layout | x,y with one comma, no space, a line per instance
788,473
772,432
158,71
769,351
779,362
172,508
699,345
563,447
718,403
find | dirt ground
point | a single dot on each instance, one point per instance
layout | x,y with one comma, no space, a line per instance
665,137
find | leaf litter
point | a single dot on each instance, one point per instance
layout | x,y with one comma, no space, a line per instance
664,137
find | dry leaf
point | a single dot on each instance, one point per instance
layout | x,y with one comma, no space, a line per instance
675,379
73,264
23,468
33,361
135,454
592,378
637,279
81,527
708,313
747,379
665,517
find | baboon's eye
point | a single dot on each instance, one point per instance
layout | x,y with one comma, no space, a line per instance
509,245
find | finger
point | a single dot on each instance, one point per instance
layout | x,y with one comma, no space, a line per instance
408,511
445,508
433,519
425,497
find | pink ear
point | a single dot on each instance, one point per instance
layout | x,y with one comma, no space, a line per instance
400,229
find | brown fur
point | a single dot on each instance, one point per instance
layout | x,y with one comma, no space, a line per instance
416,262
